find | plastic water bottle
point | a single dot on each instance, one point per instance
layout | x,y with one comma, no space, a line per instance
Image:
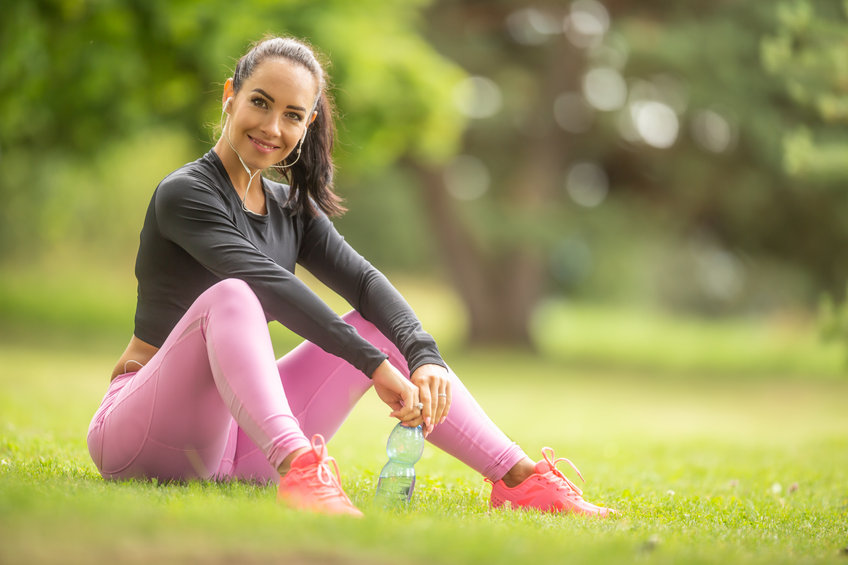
397,479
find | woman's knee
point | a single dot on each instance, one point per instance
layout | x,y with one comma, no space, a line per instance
232,292
231,299
231,287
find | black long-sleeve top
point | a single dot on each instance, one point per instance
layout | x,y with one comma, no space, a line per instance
196,233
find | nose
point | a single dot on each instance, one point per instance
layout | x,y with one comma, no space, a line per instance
271,127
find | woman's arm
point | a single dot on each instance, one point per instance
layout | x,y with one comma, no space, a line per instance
334,262
326,254
193,217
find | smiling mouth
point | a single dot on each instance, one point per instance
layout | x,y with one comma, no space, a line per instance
262,145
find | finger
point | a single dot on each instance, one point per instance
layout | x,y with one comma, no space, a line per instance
395,405
399,404
441,404
444,398
435,402
426,409
421,406
414,422
400,414
410,410
414,418
408,417
447,398
430,399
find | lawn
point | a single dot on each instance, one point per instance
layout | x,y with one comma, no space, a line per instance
704,465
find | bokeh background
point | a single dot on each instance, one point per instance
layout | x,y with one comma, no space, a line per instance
623,221
568,177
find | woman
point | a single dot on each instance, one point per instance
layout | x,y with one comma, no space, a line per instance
198,393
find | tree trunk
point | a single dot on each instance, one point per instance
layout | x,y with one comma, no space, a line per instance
501,283
498,292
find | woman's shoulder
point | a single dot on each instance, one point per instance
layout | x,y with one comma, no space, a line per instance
196,187
201,173
197,178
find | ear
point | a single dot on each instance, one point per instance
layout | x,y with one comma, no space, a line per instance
312,119
228,91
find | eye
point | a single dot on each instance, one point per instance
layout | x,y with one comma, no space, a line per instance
294,116
259,102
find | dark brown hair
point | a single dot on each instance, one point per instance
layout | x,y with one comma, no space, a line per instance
311,177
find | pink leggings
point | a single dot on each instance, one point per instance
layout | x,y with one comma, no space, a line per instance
213,403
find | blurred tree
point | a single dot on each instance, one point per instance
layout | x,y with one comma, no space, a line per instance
662,108
684,118
491,207
80,75
833,321
740,175
808,53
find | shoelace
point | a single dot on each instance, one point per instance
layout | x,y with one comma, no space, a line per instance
324,474
552,461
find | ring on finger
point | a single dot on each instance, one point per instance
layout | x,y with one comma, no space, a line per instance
420,406
443,395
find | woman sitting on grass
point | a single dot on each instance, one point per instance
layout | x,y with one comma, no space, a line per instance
198,392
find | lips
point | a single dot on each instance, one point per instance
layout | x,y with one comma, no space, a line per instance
263,146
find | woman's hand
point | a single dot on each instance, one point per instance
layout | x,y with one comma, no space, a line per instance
429,385
399,393
434,390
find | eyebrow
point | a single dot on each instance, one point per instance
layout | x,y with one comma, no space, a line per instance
271,98
265,94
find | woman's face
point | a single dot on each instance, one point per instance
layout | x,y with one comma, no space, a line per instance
270,113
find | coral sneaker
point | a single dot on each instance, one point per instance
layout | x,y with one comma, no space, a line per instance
547,489
311,485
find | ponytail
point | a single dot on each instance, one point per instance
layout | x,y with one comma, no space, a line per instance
311,176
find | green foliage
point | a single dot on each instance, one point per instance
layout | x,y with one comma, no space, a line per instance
79,77
97,71
101,98
742,197
808,54
705,65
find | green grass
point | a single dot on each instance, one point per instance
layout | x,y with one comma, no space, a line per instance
702,471
738,461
